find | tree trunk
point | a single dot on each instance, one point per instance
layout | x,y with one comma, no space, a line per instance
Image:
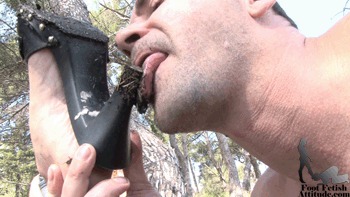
183,166
255,165
193,175
247,172
18,188
212,158
185,153
235,186
160,162
71,8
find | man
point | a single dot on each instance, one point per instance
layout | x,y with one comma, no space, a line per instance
244,71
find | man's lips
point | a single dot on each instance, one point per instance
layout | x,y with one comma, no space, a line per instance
150,66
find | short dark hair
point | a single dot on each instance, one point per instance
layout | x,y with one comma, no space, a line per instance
279,10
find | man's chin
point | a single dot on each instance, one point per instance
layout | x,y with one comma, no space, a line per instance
165,127
170,127
168,121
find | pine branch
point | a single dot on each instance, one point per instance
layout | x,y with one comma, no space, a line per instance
8,48
18,111
120,15
8,25
127,3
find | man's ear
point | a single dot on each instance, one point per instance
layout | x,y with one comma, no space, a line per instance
258,8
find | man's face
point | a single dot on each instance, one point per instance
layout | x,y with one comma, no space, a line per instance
189,50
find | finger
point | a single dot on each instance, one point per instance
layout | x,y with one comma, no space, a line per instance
110,187
136,164
77,179
99,174
135,172
54,181
136,147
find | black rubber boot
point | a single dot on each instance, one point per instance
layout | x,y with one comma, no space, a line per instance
81,52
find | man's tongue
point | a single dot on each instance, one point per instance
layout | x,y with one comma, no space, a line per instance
150,66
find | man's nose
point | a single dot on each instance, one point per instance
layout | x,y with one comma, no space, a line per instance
126,38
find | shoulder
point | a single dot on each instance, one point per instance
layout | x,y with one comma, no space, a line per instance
271,184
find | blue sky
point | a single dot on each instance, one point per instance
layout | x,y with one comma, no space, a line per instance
314,17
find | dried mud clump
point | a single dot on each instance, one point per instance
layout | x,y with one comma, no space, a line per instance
130,85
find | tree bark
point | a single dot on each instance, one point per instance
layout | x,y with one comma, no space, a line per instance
235,186
183,166
18,188
160,162
247,172
186,155
193,175
71,8
212,158
255,165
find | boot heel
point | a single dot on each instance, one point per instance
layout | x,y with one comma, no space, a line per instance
81,52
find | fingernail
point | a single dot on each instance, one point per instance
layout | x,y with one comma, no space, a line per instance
121,180
84,152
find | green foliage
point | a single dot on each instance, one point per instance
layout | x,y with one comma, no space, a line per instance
16,158
205,193
213,173
107,19
149,116
13,74
212,185
17,165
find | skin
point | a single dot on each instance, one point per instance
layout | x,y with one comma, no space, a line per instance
256,78
79,178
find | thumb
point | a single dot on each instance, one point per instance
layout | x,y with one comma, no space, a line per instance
139,184
135,171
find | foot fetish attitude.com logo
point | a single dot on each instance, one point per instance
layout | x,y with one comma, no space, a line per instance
332,185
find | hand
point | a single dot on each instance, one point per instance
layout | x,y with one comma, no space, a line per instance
53,138
77,178
76,182
139,184
51,132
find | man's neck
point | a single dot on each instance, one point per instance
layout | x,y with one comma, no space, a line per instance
300,91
